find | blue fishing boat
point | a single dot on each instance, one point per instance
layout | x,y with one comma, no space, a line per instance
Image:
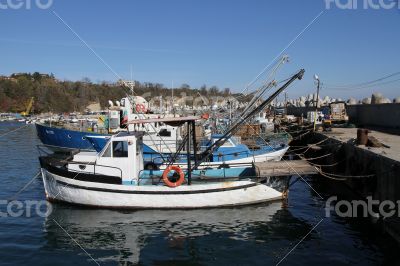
62,139
231,152
232,149
159,136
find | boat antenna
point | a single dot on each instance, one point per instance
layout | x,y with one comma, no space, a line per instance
172,98
132,81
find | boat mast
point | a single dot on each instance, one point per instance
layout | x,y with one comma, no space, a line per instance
189,172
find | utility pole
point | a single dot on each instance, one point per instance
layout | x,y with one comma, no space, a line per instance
316,78
172,98
132,83
286,103
230,111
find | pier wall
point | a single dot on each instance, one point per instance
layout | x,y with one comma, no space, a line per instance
356,161
299,111
368,172
385,185
374,115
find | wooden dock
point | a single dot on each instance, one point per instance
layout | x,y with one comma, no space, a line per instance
286,168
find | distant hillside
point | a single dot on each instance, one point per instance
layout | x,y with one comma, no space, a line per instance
57,96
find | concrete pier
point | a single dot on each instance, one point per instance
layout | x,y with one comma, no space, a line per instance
367,171
382,164
348,135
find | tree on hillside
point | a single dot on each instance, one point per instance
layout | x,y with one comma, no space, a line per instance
203,90
227,91
67,96
213,90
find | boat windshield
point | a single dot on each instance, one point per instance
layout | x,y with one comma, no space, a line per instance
107,152
228,143
119,149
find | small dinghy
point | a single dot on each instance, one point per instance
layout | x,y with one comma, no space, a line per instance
115,178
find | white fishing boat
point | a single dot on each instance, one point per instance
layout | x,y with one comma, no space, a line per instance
115,178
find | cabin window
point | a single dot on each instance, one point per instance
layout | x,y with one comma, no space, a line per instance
164,133
227,144
120,149
138,148
107,152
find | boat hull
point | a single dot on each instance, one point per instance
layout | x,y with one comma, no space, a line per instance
61,139
208,195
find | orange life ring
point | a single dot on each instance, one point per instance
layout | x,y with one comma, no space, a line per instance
178,182
140,108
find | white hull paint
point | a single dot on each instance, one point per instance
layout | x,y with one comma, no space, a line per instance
222,194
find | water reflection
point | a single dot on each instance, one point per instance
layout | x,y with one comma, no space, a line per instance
124,235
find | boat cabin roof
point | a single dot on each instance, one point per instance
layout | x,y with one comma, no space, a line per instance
172,121
125,135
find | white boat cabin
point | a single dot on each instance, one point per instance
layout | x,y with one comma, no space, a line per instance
122,157
159,136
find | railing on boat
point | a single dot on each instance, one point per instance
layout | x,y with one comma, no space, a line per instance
94,167
156,179
65,159
156,158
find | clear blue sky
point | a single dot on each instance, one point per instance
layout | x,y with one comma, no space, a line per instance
214,42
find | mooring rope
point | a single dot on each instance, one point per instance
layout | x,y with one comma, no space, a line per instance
297,131
22,189
315,158
330,177
2,135
302,135
341,177
311,145
315,144
326,165
304,147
